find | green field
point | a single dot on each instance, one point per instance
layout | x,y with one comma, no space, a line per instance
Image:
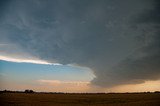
42,99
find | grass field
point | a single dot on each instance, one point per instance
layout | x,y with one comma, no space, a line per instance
42,99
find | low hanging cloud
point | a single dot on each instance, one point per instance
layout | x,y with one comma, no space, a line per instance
59,83
118,40
65,86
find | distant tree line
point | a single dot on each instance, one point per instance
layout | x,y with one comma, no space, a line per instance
157,92
26,91
31,91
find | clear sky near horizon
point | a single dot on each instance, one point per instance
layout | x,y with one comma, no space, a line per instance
80,45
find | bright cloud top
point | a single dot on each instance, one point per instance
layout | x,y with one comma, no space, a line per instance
23,60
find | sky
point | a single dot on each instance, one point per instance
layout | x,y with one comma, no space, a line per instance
80,45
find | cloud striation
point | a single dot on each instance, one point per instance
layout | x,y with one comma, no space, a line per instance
118,40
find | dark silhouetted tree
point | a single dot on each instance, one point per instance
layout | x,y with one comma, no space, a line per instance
28,91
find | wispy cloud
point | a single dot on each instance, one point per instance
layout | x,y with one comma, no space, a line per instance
13,53
64,86
19,60
58,82
3,44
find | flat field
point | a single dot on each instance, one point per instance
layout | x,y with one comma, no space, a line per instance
117,99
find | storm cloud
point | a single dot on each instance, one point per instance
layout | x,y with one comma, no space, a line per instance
118,40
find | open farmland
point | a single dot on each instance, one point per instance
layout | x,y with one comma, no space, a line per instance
48,99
